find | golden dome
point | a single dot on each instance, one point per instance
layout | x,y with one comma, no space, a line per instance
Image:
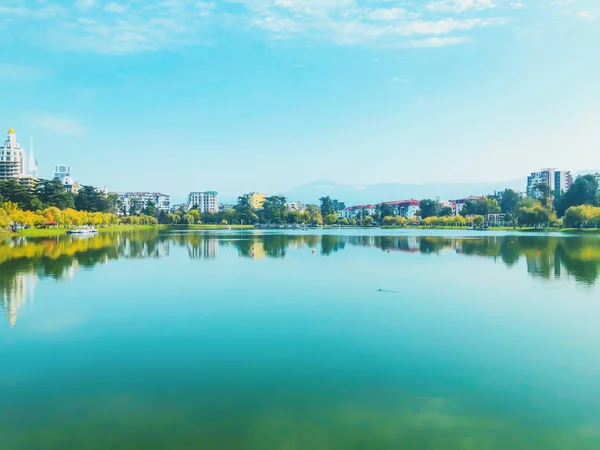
11,130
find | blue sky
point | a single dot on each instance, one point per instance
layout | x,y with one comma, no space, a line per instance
263,95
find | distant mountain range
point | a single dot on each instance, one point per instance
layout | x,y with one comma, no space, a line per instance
375,193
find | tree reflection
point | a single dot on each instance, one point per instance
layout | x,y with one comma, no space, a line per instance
23,261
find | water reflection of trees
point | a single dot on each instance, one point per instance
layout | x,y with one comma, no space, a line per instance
23,261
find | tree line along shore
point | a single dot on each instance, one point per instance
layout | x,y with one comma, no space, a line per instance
49,209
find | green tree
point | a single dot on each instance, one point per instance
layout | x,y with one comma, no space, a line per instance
428,208
12,191
150,209
89,199
326,206
385,210
543,193
575,216
53,193
314,215
244,211
534,215
509,201
584,191
481,207
445,211
275,210
367,221
330,219
293,217
134,206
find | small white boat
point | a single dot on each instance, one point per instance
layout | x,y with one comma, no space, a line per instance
82,230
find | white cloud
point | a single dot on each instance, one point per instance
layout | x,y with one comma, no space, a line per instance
389,14
114,8
460,5
84,5
587,15
436,42
57,123
126,26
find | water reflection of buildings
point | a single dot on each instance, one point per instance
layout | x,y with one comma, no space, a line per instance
22,261
204,249
15,293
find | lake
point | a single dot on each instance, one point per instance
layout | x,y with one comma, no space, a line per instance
327,339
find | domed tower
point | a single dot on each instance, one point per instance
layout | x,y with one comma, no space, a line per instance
13,163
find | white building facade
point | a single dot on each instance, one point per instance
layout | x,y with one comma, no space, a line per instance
62,171
296,206
559,182
162,202
207,201
14,163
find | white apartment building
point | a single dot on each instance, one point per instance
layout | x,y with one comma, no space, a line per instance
207,201
15,164
296,206
162,202
559,181
62,171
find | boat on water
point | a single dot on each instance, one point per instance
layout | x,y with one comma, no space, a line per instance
82,230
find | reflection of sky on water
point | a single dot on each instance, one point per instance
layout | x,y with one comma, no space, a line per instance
22,260
253,341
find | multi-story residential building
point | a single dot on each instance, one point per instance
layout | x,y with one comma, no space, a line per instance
140,199
352,212
179,207
296,206
559,181
70,185
338,206
404,208
447,204
257,200
15,164
204,201
62,171
459,204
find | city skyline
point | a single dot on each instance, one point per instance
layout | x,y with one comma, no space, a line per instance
246,96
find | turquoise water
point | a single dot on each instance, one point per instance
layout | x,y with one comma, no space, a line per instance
300,340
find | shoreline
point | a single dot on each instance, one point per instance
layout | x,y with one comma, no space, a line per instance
54,232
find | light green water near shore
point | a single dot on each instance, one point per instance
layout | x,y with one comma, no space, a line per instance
283,340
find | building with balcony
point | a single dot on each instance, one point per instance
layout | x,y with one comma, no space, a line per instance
204,201
558,182
62,171
404,208
15,164
354,212
296,206
139,200
257,200
459,204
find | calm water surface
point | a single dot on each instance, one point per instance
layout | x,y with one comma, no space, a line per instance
300,340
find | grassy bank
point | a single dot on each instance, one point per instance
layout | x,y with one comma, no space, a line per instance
52,232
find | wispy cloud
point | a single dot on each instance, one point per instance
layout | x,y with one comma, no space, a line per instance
587,15
437,42
57,123
460,5
127,26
